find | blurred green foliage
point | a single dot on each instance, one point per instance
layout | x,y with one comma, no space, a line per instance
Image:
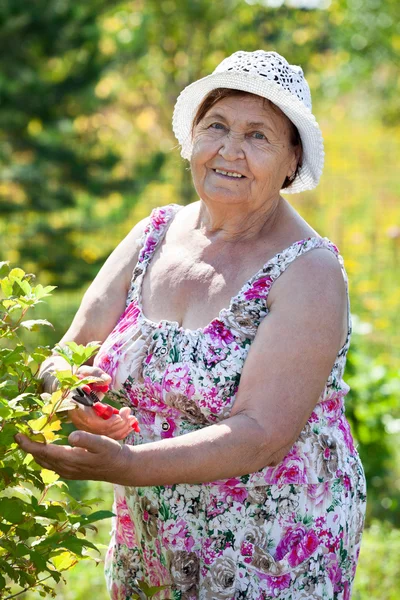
87,93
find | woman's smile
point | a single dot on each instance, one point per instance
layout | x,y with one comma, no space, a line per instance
233,175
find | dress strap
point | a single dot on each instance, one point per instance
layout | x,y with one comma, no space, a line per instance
257,288
303,246
153,234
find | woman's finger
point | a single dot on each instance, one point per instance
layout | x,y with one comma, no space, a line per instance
88,371
125,412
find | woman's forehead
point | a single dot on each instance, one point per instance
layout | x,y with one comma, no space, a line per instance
248,109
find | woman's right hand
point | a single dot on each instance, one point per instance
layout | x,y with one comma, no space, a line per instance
117,427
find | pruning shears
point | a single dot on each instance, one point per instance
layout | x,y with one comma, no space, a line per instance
86,396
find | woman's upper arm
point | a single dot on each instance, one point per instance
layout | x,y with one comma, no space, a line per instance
104,300
294,350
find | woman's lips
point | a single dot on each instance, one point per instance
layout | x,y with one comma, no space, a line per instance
233,177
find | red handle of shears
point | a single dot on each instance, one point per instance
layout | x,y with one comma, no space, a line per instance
105,411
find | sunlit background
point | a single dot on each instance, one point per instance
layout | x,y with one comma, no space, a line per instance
86,97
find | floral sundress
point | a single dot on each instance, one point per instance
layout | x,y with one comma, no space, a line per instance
291,531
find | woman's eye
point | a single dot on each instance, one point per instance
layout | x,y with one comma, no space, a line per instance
217,126
258,135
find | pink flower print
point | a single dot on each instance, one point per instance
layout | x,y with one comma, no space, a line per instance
215,506
348,438
147,396
208,552
321,494
210,400
320,521
157,573
212,357
247,550
219,333
304,549
276,584
177,380
292,537
108,361
333,408
291,470
334,571
153,389
128,318
259,288
346,591
148,247
118,592
175,535
133,396
124,532
347,482
147,418
232,490
158,218
172,427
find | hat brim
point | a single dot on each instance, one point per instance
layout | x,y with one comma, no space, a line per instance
192,96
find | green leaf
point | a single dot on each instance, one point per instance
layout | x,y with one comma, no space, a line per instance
11,357
77,354
35,324
48,477
25,579
7,434
5,411
76,544
19,288
12,510
38,560
64,561
67,378
4,268
18,491
16,274
41,353
93,517
6,287
153,590
42,292
9,304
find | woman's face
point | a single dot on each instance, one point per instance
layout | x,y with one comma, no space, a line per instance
243,136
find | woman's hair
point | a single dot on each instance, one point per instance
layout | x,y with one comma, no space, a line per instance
221,93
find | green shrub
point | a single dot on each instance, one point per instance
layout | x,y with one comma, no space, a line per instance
41,534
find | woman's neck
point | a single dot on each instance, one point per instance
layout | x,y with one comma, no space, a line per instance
237,223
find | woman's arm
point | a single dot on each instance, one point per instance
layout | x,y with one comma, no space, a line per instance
102,304
283,376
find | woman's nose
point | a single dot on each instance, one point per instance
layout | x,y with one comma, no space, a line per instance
232,146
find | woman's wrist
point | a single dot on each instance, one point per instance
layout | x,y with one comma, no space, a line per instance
47,372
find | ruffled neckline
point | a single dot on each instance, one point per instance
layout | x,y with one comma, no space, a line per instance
274,261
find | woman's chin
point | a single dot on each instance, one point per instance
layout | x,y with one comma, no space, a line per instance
223,196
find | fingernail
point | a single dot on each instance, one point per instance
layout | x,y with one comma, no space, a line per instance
18,438
74,437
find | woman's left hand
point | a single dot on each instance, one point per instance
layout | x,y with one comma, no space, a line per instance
90,456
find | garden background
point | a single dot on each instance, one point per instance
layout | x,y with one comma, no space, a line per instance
86,98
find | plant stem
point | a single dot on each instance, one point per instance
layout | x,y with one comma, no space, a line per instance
27,588
44,494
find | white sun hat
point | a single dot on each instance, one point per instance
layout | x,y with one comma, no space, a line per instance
265,74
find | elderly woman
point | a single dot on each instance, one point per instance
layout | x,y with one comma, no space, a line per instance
228,344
